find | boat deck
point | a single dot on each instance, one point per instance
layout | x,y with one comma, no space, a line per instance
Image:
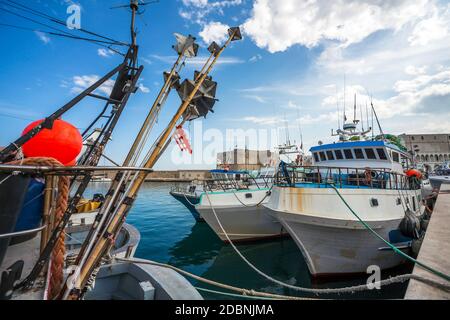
435,251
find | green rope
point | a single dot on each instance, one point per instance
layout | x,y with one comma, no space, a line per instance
423,265
235,295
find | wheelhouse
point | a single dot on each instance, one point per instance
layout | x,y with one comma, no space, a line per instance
361,154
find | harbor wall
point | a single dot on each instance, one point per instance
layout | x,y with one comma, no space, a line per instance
435,251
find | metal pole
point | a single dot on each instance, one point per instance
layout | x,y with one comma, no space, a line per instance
103,243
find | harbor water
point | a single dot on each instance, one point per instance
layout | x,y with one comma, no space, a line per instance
169,234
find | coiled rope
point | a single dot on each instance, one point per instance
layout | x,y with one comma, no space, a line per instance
56,277
351,289
396,250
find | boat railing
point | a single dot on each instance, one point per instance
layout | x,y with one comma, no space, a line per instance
343,177
226,182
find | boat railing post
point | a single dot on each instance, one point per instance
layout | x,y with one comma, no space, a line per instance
357,177
340,178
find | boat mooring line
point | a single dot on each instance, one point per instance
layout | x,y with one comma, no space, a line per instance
396,250
244,292
234,294
351,289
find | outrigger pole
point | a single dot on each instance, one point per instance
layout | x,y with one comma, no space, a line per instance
105,242
125,85
186,48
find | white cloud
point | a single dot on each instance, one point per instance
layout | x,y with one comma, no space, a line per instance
263,120
423,94
414,71
105,53
255,58
256,98
197,11
82,82
143,88
434,28
279,24
214,31
43,37
199,61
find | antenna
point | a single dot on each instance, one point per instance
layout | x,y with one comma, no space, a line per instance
376,117
362,118
337,106
367,117
300,130
345,117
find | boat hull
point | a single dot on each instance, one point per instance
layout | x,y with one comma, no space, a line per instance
188,201
436,181
331,239
249,222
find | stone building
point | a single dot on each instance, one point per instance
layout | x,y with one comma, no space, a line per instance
428,149
244,159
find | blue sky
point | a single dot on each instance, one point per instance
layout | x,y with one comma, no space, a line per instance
290,66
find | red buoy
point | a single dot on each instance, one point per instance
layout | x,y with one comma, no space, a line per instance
414,173
63,142
72,163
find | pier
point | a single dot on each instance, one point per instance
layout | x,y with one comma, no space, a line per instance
435,251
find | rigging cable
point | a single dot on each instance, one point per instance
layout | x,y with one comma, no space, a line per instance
41,14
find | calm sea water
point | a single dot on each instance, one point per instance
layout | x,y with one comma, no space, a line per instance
169,234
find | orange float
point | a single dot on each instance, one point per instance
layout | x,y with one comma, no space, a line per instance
414,173
62,142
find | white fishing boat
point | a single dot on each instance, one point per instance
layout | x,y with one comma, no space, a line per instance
369,175
236,198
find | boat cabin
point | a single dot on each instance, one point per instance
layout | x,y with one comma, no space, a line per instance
361,154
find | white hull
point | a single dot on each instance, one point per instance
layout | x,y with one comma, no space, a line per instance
241,222
330,237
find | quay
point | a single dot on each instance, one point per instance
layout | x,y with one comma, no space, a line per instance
435,251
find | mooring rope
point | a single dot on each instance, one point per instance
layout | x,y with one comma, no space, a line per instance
398,251
351,289
57,266
242,291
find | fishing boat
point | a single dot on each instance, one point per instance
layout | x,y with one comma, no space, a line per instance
365,174
189,196
234,200
440,175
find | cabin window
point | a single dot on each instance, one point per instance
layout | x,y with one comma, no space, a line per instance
348,154
381,154
359,153
330,155
316,157
322,156
370,153
339,154
395,157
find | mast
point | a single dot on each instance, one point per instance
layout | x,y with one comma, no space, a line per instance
125,85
